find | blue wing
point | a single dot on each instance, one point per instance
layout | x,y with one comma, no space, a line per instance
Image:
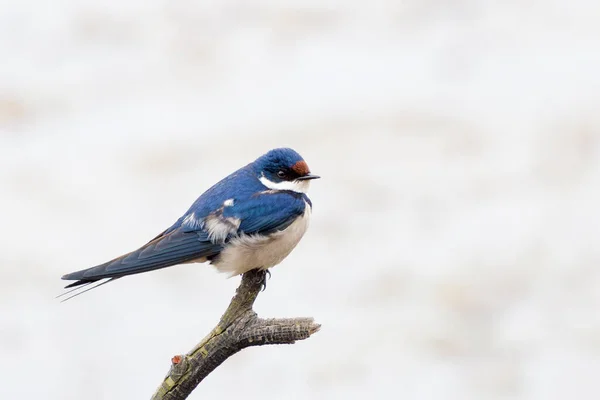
268,211
169,248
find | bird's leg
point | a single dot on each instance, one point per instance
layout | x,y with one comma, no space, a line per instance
266,273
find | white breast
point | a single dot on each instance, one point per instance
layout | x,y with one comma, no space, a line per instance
247,252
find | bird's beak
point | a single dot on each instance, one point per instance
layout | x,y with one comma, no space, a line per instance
307,177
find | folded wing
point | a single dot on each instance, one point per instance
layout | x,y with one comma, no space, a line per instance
167,249
268,212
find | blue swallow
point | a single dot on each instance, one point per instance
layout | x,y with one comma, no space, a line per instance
252,219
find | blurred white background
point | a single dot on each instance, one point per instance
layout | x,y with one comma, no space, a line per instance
453,247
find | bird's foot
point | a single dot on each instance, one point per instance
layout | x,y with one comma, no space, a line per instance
266,274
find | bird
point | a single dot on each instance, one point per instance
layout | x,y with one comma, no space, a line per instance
251,219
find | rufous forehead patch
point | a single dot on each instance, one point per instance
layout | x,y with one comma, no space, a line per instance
301,168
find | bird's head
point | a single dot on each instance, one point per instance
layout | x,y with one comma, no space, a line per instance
284,169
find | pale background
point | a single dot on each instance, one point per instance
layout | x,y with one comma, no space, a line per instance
453,251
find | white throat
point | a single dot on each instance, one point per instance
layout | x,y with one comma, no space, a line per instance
294,186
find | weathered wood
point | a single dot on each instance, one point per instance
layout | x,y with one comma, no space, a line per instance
238,328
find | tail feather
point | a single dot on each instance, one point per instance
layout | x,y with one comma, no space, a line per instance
175,247
82,288
84,284
77,283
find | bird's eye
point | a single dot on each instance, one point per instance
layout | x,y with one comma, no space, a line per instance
281,174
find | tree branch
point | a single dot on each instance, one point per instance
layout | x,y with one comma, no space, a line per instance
238,328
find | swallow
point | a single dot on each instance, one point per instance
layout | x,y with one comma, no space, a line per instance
251,219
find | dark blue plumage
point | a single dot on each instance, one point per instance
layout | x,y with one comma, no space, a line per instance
265,213
262,207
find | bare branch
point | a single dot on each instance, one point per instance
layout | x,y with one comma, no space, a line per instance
238,328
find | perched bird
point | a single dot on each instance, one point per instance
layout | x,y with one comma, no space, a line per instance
252,219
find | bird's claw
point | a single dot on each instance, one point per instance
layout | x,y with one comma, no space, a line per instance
264,281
